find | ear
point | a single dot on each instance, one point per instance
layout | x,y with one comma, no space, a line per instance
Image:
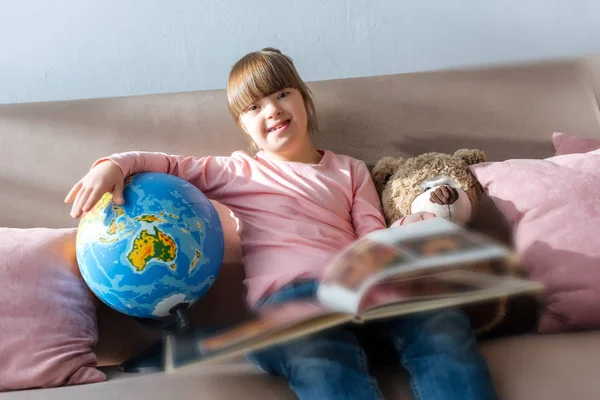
384,170
471,157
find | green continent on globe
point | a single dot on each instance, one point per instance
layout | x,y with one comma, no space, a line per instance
148,246
195,260
150,218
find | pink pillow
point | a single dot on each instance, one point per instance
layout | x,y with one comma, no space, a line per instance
48,322
567,144
553,208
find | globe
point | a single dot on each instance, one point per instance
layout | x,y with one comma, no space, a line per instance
162,249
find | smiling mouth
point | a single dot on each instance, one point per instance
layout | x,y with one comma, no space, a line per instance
280,126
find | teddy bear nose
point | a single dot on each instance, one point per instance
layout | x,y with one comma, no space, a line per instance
444,195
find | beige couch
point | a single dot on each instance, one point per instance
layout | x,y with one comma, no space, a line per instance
509,112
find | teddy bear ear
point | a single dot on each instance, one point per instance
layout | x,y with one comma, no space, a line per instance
383,171
471,156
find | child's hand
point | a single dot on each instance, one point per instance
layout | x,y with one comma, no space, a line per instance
416,217
104,177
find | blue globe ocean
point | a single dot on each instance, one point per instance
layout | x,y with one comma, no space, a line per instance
163,247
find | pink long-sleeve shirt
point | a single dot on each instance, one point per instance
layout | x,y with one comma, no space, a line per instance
292,217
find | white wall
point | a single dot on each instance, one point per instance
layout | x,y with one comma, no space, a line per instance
68,49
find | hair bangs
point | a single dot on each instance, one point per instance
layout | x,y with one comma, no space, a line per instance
258,75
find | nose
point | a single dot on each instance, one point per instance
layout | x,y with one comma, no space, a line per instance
273,109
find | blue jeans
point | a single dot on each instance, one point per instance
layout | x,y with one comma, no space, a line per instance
438,350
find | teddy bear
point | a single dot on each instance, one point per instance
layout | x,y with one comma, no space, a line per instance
436,184
432,183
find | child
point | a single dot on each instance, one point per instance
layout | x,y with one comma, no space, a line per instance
298,206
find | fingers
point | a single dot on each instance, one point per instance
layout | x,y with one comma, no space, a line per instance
416,217
93,198
118,193
426,215
103,178
87,198
73,192
79,202
423,215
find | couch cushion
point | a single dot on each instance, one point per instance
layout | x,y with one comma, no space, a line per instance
48,321
552,206
549,367
531,367
569,144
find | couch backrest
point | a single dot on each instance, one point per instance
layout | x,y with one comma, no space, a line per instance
509,112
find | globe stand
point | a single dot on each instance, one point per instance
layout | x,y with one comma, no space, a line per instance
151,359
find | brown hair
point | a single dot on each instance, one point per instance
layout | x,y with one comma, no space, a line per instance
262,73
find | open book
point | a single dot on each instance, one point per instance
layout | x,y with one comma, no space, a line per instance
388,273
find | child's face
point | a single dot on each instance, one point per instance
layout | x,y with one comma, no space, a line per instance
277,123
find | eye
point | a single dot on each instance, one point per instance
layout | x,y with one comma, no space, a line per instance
283,95
428,188
253,107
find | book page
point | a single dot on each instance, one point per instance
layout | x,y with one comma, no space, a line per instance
408,251
270,325
446,289
408,290
265,321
